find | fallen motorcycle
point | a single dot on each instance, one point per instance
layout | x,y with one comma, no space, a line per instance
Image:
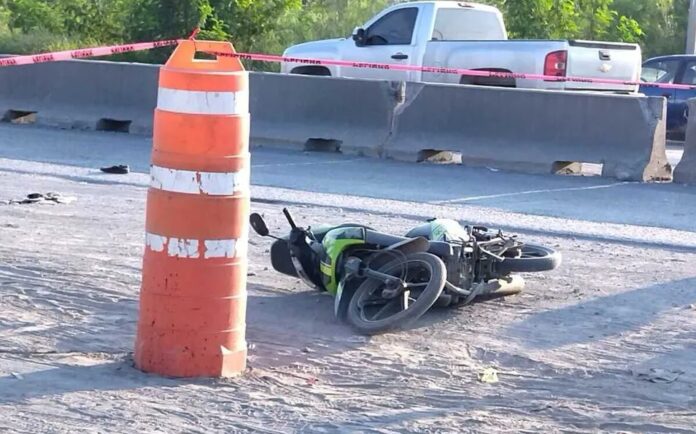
382,282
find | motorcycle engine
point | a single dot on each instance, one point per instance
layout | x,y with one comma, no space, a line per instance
460,269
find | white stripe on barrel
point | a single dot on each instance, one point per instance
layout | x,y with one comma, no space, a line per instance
203,103
197,182
194,249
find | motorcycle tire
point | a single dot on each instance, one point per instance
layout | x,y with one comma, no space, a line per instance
533,259
445,300
427,298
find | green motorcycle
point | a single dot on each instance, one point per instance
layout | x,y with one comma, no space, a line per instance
382,282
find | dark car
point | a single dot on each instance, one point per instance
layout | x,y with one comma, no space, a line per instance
680,69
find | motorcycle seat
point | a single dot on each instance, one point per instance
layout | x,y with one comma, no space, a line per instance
440,248
381,239
437,248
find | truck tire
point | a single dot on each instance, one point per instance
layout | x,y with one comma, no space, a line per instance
312,70
489,81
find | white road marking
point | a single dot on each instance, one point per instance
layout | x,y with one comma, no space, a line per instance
528,192
313,163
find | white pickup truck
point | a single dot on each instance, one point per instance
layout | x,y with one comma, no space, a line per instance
466,35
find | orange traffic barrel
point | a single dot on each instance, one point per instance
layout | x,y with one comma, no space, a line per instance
193,295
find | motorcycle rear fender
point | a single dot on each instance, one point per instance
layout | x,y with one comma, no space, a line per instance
412,245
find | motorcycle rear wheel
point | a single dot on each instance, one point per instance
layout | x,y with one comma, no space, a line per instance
369,313
533,259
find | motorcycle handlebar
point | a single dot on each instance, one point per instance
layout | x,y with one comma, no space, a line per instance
289,218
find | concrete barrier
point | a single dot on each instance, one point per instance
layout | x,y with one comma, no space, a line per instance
534,131
81,95
523,130
354,116
685,173
296,111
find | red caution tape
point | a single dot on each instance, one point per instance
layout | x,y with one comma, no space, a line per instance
441,70
118,49
195,33
84,53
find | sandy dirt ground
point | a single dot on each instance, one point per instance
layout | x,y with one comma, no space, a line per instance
607,343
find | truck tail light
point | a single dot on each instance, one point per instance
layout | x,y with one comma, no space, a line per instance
556,64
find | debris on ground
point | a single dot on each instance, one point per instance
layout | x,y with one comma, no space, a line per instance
489,375
655,375
120,169
42,198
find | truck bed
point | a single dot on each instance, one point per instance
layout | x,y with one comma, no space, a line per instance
600,60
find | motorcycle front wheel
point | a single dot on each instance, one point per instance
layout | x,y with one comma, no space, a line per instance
371,313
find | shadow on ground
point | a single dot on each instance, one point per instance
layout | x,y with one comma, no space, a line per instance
294,326
59,378
604,316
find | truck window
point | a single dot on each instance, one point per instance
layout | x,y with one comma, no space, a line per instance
395,28
466,25
660,71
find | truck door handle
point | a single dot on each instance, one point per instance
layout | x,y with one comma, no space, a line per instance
400,56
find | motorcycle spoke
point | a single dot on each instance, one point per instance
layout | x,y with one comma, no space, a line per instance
384,309
372,302
405,299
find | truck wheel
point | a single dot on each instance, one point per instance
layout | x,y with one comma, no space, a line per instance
312,70
489,81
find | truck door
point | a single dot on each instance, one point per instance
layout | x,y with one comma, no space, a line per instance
390,39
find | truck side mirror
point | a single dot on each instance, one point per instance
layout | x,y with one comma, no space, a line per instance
359,37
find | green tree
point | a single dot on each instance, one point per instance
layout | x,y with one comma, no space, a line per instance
162,19
553,19
272,25
32,15
541,19
601,20
103,20
529,18
250,22
150,20
663,23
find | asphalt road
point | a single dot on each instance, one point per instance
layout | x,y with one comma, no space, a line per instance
605,343
592,199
